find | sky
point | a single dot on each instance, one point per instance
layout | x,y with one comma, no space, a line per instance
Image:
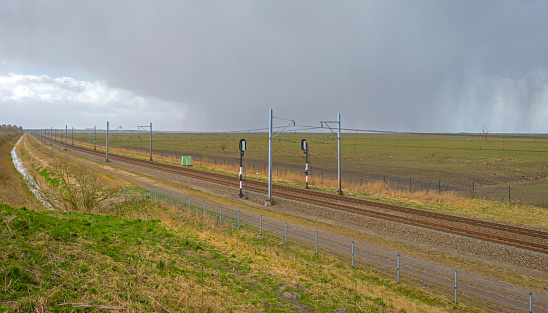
394,65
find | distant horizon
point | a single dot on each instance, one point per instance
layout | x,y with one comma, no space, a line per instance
343,131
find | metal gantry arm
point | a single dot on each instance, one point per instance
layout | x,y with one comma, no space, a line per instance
339,190
269,201
150,130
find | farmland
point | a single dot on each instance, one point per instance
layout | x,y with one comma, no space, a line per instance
498,167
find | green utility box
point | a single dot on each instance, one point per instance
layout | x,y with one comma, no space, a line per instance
186,160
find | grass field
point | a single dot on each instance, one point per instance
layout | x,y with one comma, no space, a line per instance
57,261
141,256
324,283
484,166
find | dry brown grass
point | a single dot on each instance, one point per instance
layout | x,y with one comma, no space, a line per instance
448,202
13,190
326,278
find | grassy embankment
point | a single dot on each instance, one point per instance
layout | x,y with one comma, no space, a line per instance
56,261
494,161
156,258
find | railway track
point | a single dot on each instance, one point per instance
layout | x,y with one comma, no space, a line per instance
507,235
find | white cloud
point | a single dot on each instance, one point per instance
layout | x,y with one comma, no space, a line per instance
65,100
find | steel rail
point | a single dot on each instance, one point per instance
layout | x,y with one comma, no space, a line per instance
325,199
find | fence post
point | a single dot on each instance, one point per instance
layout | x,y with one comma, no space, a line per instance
238,218
439,186
189,204
125,193
177,199
398,268
204,208
260,225
473,193
352,254
148,192
166,196
220,214
316,236
154,193
455,287
409,184
509,199
286,233
530,302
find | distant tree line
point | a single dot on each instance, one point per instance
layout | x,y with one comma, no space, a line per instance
11,129
7,132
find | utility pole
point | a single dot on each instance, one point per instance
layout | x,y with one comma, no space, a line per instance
339,190
269,200
150,130
72,134
66,137
94,138
107,145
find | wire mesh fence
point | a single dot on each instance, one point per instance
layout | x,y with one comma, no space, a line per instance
525,192
460,287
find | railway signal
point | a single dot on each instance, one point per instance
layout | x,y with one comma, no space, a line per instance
304,147
242,150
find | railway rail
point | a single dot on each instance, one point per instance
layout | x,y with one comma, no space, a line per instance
497,233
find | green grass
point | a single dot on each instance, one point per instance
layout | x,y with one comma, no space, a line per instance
449,157
51,260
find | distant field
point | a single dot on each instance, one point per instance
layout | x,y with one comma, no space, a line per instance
503,167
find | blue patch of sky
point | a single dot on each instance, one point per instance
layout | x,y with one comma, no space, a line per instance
38,70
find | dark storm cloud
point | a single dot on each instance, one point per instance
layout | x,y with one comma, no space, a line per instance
396,65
